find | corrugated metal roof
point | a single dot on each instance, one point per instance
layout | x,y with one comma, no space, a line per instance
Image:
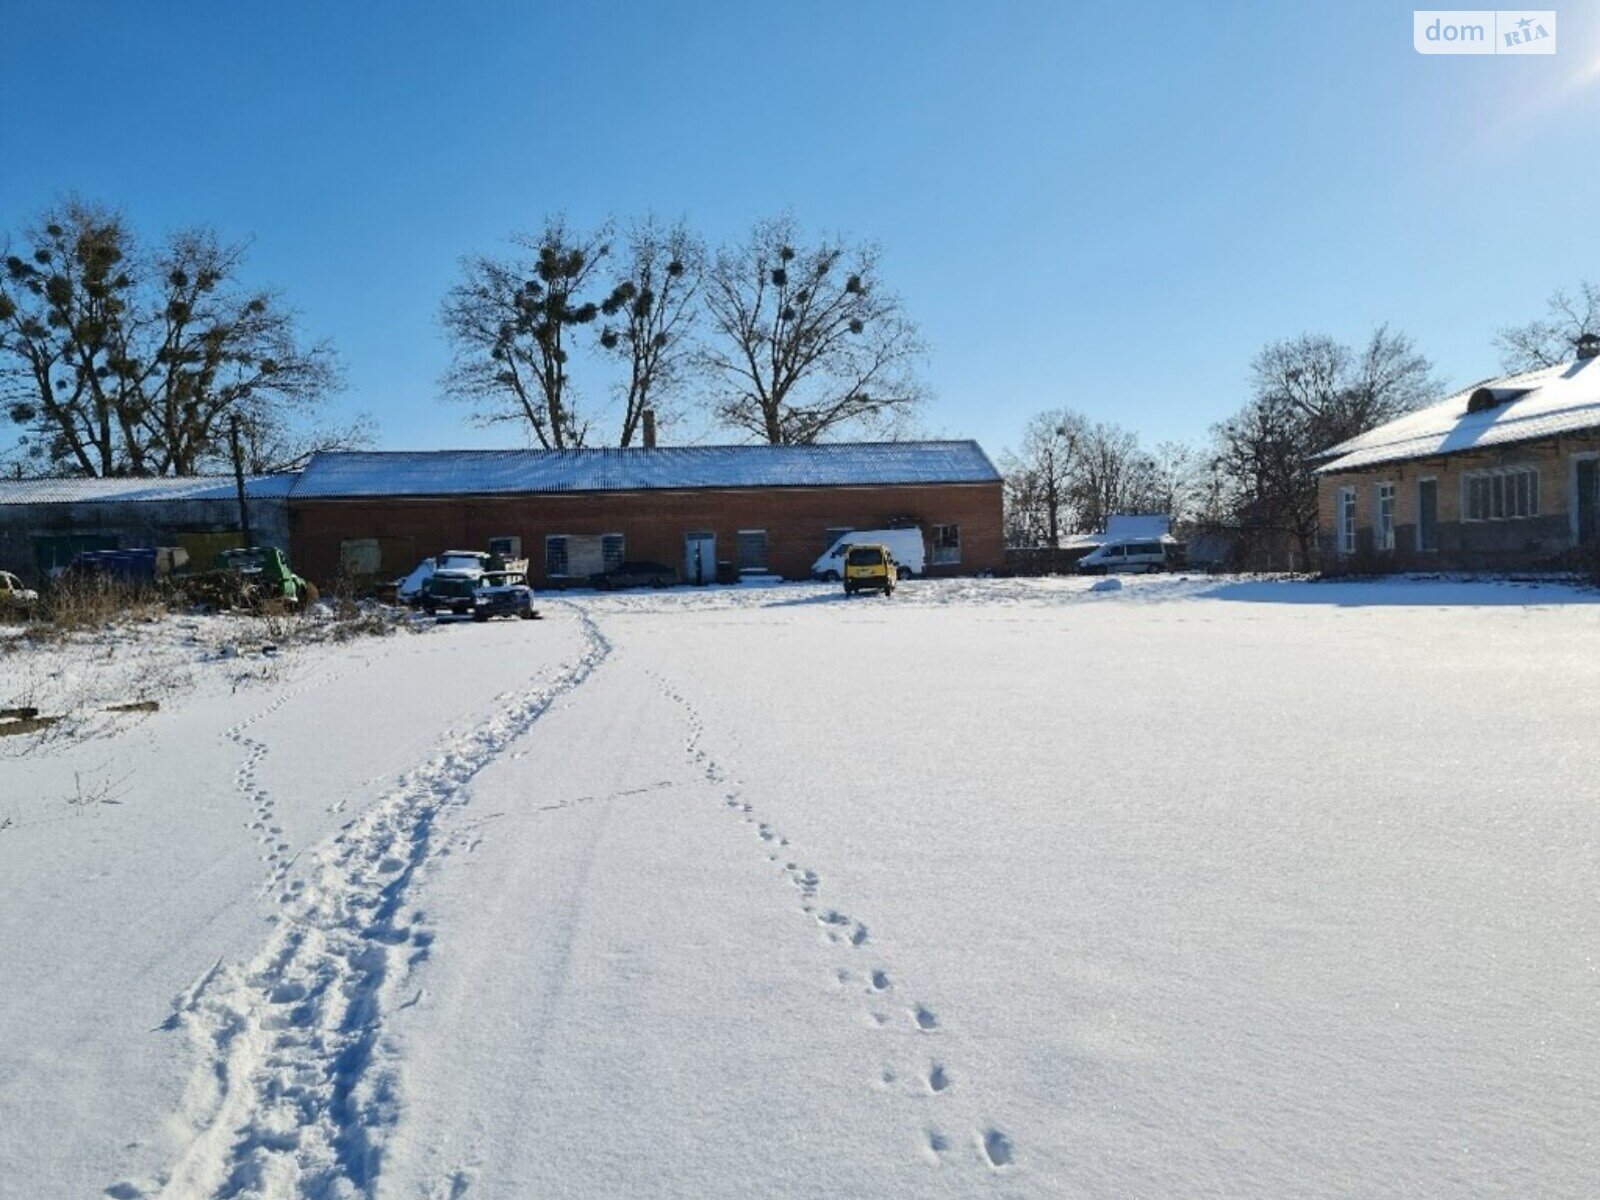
1560,399
479,472
134,491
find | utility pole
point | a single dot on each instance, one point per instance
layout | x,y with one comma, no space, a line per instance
238,481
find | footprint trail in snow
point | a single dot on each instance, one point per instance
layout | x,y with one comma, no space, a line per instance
994,1148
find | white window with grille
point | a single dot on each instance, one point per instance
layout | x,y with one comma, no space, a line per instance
579,555
752,550
1507,494
1383,517
1347,520
946,544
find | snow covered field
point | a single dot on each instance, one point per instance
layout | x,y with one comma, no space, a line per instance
1013,888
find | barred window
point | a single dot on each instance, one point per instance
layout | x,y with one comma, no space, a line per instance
580,555
947,543
752,549
555,557
1509,494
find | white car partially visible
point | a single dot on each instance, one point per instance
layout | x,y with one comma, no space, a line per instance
12,592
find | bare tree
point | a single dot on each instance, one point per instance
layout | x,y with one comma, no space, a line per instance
805,341
1264,469
117,362
271,446
1549,341
1112,474
1309,394
508,321
221,351
657,315
60,308
1174,482
1040,500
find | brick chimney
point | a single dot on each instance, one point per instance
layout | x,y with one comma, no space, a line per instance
648,420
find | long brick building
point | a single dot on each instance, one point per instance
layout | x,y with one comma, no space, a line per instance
1504,475
575,512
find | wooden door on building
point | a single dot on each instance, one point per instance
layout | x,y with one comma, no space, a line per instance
1427,514
1586,478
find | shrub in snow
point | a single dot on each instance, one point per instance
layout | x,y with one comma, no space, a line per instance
1109,584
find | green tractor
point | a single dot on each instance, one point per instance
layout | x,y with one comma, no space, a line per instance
251,578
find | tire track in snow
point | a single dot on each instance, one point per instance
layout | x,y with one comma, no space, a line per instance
992,1146
292,1097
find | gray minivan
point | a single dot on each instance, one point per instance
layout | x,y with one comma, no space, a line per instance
1134,557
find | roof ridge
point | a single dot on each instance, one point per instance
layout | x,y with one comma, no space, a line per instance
1557,398
752,446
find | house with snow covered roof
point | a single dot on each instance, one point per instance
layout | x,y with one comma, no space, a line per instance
1503,475
702,510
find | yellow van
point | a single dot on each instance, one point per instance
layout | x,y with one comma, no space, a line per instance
869,569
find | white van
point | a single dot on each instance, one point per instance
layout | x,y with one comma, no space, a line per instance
1134,557
905,547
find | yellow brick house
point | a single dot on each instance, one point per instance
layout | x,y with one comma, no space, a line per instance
1504,475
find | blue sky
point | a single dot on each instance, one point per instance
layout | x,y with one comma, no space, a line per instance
1104,206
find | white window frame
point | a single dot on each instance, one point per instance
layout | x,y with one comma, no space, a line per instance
1347,520
1422,479
1500,494
602,538
1383,535
940,556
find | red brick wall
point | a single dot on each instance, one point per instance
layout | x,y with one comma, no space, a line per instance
653,522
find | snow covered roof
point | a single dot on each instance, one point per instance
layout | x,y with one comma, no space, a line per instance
477,472
133,491
1124,527
1534,404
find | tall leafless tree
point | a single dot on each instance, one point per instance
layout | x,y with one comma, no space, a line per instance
805,341
1112,475
1309,394
271,446
1172,481
1552,339
509,322
651,335
114,361
1041,503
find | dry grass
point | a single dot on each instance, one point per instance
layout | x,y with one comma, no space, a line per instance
91,602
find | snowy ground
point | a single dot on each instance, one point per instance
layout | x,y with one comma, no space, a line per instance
1012,888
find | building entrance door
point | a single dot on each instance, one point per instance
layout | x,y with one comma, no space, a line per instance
1586,475
700,556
